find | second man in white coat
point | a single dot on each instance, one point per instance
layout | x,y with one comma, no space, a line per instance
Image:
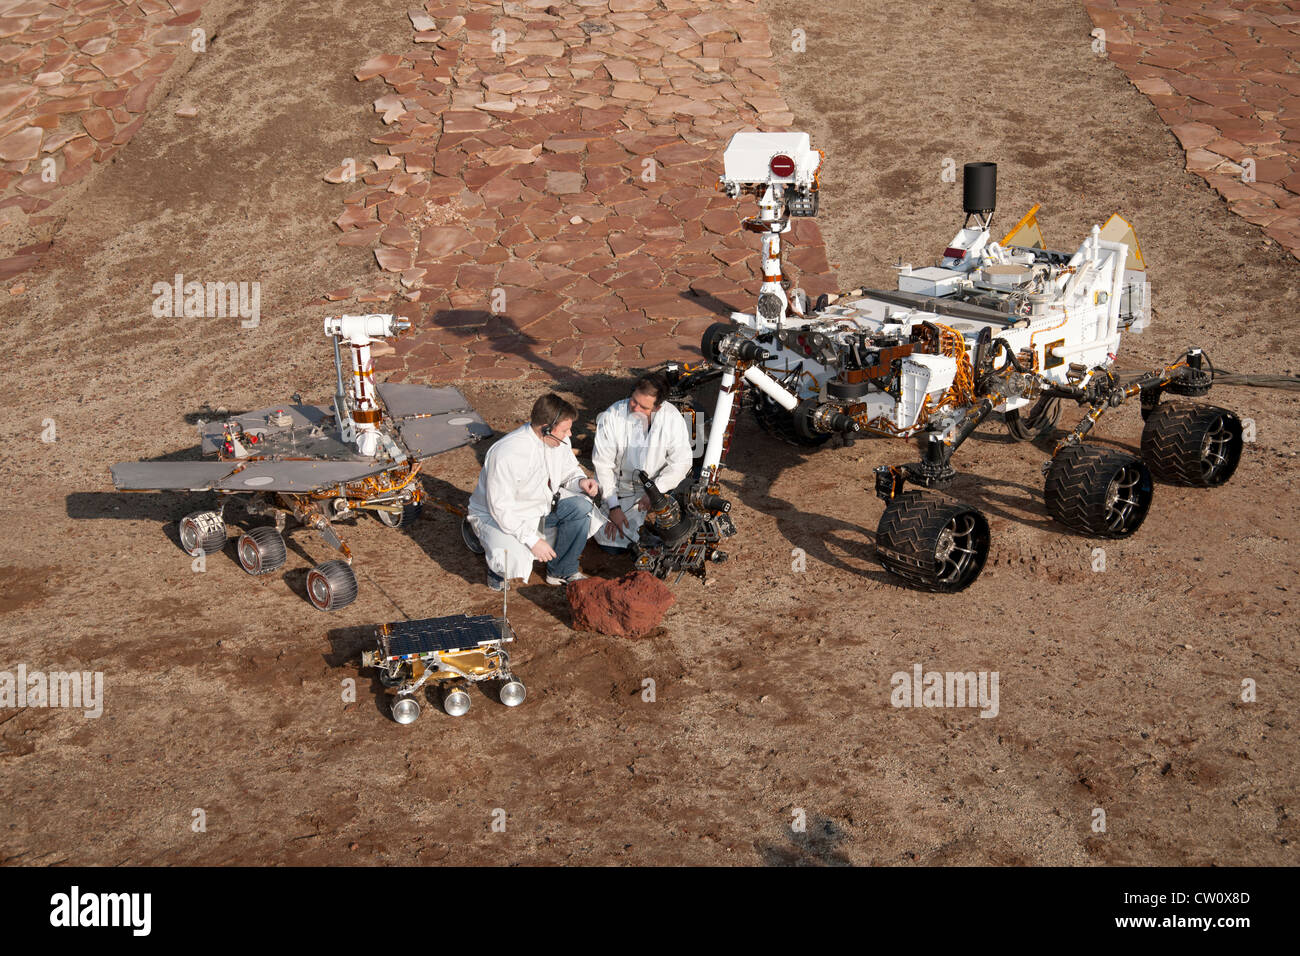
640,433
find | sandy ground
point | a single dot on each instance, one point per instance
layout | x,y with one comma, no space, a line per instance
1119,690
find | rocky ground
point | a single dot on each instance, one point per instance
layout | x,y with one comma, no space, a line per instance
1120,690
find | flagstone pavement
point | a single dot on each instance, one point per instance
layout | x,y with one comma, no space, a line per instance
1225,76
543,199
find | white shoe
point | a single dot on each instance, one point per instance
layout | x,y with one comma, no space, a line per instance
575,576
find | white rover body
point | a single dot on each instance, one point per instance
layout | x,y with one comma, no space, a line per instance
995,325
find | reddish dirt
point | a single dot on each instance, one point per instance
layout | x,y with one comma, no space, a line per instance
630,606
1119,690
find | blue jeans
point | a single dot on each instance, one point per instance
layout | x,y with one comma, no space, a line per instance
571,520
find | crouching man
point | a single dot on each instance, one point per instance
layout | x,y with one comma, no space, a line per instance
533,501
640,433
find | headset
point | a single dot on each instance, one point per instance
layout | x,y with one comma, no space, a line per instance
547,429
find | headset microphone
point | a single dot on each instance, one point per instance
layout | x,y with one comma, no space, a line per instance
547,429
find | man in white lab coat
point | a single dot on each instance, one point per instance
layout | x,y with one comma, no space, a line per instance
533,501
640,433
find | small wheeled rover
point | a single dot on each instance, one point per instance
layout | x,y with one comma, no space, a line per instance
317,464
447,653
1009,327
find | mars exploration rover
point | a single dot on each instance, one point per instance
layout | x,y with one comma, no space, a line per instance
318,464
1007,326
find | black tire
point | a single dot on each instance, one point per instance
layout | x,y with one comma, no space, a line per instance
932,544
408,516
202,530
1038,421
470,538
711,337
331,585
1098,491
1188,444
261,551
780,424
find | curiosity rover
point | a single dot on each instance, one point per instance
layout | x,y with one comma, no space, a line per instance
317,464
995,326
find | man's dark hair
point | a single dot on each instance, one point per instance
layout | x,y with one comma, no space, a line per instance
652,383
550,410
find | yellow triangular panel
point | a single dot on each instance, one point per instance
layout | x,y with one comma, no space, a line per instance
1027,231
1117,229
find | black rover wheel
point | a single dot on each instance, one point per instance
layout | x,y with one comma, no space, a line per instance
1098,491
331,585
261,551
409,514
933,544
1189,444
780,424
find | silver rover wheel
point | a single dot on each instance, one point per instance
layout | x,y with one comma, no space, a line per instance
455,701
512,692
202,530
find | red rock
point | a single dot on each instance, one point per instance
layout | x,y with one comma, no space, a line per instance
138,98
439,241
121,60
630,606
377,65
22,145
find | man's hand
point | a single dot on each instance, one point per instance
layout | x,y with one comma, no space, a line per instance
543,551
590,487
644,503
617,521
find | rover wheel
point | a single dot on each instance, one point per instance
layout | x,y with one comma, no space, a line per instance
1098,491
711,337
409,514
470,538
261,551
933,544
202,530
780,424
455,701
331,585
512,692
1037,421
1188,444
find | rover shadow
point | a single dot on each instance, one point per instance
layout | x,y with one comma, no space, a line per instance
716,305
209,414
818,845
346,645
758,461
163,507
502,333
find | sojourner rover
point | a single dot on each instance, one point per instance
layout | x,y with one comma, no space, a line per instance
996,326
317,464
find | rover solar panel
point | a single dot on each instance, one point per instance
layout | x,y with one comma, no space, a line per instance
456,632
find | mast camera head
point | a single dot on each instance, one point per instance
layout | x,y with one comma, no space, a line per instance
755,161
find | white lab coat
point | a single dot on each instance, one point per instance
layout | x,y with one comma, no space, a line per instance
624,447
520,476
